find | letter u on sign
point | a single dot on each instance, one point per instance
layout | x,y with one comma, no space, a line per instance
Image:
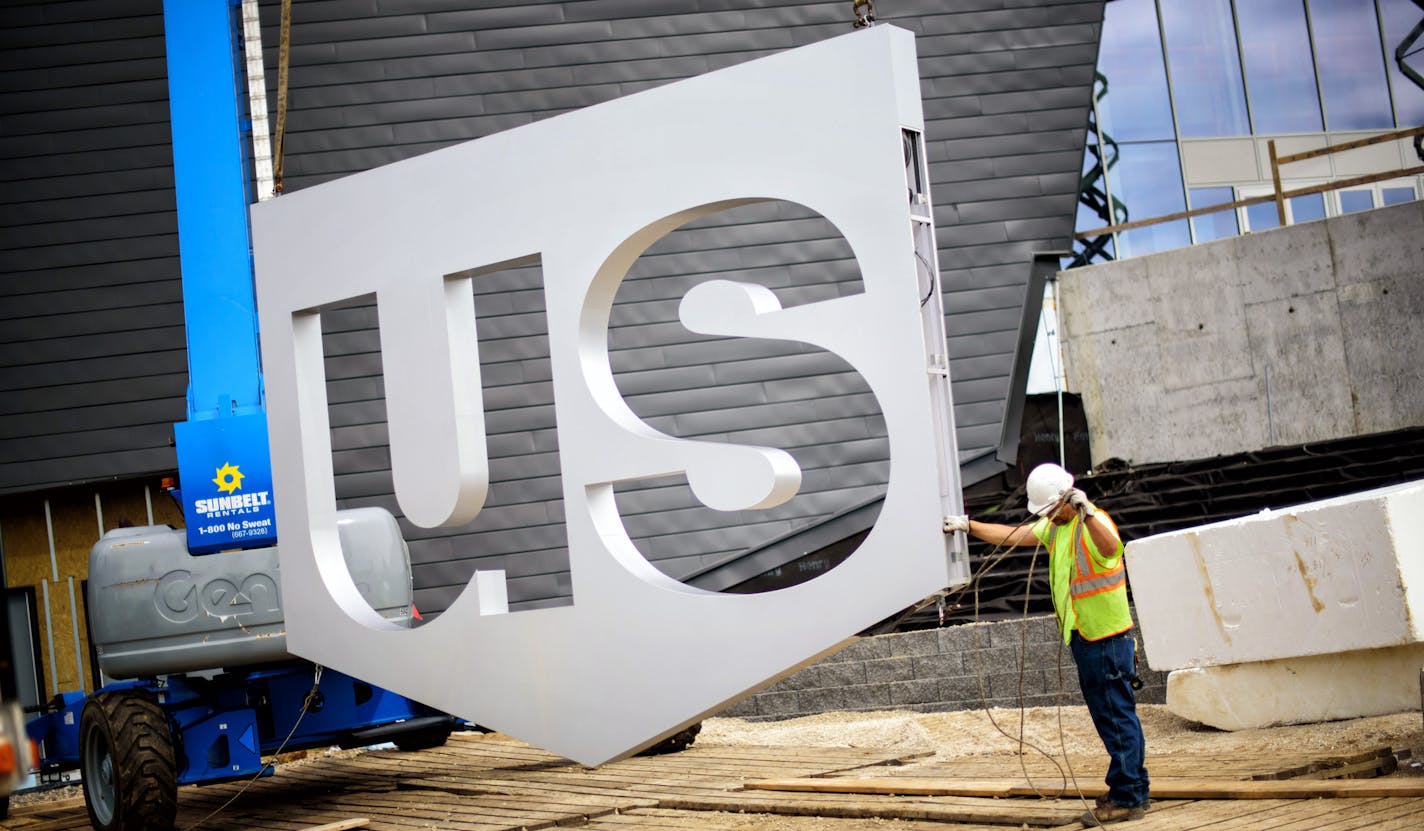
637,655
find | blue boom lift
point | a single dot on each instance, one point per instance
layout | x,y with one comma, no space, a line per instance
192,622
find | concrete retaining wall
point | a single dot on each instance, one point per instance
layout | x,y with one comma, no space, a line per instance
935,670
1174,353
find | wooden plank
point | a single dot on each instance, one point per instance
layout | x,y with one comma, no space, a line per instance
1226,815
1335,184
585,797
78,819
20,811
676,820
817,805
1293,813
343,825
1351,145
1363,814
1363,766
1242,766
1167,789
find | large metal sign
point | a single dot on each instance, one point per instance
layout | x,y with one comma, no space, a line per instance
637,655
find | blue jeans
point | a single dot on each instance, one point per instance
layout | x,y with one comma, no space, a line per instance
1105,672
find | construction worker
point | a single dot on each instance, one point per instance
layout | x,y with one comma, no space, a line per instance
1089,587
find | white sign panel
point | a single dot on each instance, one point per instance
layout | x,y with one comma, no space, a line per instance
637,655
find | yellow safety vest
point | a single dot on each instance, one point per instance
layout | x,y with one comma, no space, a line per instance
1089,590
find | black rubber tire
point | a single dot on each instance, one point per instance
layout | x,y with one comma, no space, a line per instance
127,759
681,740
424,739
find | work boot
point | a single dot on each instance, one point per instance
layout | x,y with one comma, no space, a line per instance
1105,811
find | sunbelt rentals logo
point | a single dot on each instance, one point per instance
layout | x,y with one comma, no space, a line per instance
229,478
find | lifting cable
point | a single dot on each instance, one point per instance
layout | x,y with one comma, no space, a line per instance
311,698
284,59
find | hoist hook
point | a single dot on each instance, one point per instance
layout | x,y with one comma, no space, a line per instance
864,11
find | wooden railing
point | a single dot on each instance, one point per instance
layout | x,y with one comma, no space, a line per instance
1279,196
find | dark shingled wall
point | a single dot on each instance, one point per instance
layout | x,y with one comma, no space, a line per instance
92,357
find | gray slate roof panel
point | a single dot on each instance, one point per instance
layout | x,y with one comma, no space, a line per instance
89,276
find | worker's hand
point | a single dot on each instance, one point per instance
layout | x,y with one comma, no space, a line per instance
956,523
1079,502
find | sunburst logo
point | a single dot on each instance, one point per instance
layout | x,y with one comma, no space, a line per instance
229,478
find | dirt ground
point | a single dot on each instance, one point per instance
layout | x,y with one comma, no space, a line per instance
973,732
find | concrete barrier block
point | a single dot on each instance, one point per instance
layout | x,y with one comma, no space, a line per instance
1303,690
1332,576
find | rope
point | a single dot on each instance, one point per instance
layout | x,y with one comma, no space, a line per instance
996,556
306,706
284,60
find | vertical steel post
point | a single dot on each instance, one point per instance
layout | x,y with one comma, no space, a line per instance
49,532
74,626
49,637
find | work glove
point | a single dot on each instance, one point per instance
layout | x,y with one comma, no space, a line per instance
956,523
1079,502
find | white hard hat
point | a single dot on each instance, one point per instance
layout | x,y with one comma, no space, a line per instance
1046,484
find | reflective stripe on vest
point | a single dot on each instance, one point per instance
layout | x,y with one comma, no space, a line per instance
1087,581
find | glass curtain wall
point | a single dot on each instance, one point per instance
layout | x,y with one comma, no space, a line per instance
1206,68
1397,19
1193,69
1135,119
1275,50
1350,57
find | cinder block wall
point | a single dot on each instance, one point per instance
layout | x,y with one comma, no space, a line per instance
937,670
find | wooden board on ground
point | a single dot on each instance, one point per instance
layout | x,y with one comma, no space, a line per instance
665,819
1016,813
475,783
1044,764
1164,789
